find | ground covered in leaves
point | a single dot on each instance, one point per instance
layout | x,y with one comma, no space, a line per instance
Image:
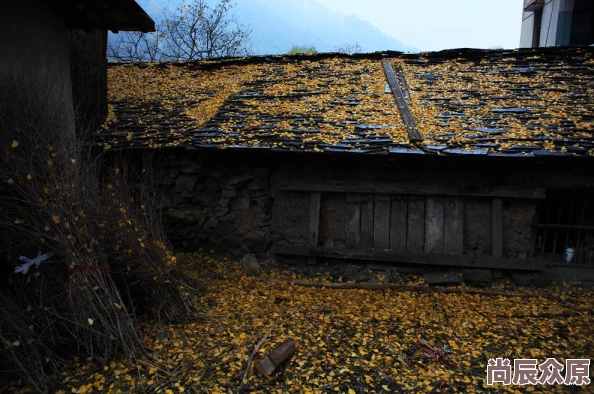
348,341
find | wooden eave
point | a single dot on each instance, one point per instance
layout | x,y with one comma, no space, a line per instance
114,15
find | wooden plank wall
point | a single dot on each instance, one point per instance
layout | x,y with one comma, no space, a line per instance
404,223
453,239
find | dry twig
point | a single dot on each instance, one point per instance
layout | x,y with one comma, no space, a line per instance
249,363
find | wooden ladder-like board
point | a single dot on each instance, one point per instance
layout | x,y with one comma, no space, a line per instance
414,134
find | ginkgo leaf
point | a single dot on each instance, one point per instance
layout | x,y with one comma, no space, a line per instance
14,144
90,321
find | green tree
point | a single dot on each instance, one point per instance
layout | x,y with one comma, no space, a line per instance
302,50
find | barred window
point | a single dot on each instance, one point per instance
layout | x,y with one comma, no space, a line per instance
565,227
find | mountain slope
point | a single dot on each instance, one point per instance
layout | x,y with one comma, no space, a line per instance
277,25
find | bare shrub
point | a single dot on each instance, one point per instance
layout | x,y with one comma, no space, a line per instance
349,48
110,256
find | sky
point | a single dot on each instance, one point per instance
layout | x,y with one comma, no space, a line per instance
440,24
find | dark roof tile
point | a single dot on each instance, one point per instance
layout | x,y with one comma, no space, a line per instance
476,102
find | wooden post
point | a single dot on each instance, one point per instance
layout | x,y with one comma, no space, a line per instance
367,211
352,221
497,227
398,223
415,232
434,225
314,222
381,225
454,226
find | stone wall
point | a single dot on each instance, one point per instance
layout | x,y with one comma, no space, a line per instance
230,200
211,203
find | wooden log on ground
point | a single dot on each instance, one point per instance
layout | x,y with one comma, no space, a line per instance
465,261
388,286
276,357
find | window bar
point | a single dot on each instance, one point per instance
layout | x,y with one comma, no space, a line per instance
588,249
569,230
578,249
546,230
558,222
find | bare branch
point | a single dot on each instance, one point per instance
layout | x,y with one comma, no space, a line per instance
349,48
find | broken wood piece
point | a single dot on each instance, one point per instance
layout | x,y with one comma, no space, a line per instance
276,357
249,363
389,286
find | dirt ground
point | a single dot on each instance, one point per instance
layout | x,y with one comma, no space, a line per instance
348,341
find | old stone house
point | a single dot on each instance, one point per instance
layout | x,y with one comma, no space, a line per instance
54,55
466,158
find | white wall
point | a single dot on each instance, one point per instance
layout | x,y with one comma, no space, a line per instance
548,27
527,30
554,30
34,50
550,22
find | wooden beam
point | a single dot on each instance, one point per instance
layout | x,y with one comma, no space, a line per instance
414,134
408,188
465,261
497,227
395,287
566,226
381,222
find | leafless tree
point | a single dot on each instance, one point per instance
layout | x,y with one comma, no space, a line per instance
135,46
195,30
349,48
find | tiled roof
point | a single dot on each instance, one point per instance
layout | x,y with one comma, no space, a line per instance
519,103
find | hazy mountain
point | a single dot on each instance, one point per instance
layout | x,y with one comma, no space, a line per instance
277,25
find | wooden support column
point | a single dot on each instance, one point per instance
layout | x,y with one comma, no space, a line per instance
497,227
453,241
434,225
398,223
312,172
352,221
314,222
415,229
381,222
367,214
